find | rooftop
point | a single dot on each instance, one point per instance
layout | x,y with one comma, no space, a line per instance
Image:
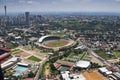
82,64
67,76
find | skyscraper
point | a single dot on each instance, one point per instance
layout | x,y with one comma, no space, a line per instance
27,19
5,10
5,22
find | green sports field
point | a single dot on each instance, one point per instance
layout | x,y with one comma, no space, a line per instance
57,43
33,58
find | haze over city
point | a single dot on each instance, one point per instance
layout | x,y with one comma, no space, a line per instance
59,39
61,5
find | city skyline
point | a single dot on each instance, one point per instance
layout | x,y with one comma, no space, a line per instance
60,5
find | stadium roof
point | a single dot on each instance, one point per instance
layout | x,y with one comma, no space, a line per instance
83,64
43,37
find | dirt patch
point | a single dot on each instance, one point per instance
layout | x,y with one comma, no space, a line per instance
92,75
23,54
47,70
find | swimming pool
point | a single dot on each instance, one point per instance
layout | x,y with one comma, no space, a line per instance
21,68
16,74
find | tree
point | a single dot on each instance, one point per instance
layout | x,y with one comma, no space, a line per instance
95,65
31,74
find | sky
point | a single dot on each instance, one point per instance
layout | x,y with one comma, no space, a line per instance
60,5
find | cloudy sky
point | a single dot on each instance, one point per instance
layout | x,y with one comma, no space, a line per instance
60,5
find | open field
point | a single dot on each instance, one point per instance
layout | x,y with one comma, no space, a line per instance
33,58
22,54
104,55
93,75
56,43
73,57
117,54
16,51
11,46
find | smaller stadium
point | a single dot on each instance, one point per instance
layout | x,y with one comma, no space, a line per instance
4,54
53,42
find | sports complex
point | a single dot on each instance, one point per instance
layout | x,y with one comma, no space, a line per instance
54,42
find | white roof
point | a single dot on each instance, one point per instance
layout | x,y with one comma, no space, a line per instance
43,37
80,47
77,77
22,64
83,64
51,53
103,69
18,37
67,76
108,72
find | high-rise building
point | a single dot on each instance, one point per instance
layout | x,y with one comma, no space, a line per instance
27,16
5,10
5,19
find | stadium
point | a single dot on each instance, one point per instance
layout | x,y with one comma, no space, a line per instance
54,42
4,54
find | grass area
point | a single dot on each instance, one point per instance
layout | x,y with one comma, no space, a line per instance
33,58
12,46
73,57
117,54
84,54
16,51
56,44
104,55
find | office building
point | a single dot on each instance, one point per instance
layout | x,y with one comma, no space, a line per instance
27,17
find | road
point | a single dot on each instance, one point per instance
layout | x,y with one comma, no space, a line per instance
96,58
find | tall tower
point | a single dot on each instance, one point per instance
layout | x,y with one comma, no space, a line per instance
27,17
5,20
5,10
